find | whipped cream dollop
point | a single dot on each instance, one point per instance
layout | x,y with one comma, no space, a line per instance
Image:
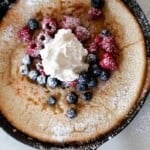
63,57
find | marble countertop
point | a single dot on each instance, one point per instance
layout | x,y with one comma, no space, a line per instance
135,137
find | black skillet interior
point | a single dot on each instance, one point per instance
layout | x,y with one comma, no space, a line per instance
4,124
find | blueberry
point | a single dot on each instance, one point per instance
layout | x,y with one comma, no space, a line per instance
92,83
82,87
24,70
83,78
41,79
64,85
97,3
95,70
26,60
87,96
105,75
33,75
33,24
51,101
93,66
71,113
72,98
91,59
105,32
52,82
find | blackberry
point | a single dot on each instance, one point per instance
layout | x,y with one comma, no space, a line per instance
87,96
33,24
71,113
51,101
97,3
105,75
72,98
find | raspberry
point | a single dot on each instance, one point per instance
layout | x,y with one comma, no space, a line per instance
98,39
40,68
82,33
49,25
108,44
93,48
108,62
70,22
25,34
32,50
42,39
72,83
94,13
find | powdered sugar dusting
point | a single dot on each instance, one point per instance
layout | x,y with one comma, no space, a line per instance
36,2
60,131
8,33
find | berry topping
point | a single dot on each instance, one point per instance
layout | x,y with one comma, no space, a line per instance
95,72
72,83
72,98
26,60
41,37
93,66
33,75
83,78
92,83
105,33
32,50
70,22
71,113
105,75
52,82
108,62
87,96
82,87
25,34
39,67
93,48
24,70
33,24
51,101
49,25
41,79
82,33
108,44
97,3
91,59
98,39
94,13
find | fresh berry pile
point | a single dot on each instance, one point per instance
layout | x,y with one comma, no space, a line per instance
102,52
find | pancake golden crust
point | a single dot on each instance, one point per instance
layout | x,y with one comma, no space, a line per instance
23,103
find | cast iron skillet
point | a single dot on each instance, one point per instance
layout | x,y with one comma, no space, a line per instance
93,145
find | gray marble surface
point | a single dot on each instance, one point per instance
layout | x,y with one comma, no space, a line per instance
135,137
